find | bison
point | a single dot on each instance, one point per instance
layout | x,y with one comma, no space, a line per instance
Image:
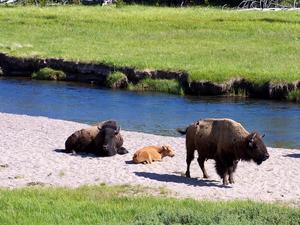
226,141
102,139
151,154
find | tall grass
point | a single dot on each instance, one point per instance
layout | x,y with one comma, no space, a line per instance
211,44
128,205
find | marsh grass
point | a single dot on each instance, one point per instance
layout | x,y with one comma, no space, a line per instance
294,95
157,85
210,44
48,74
113,78
118,205
238,93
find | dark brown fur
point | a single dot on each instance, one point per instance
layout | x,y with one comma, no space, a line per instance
102,139
225,141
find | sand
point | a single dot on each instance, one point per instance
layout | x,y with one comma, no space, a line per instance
30,155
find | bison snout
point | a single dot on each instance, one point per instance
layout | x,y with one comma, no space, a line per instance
266,157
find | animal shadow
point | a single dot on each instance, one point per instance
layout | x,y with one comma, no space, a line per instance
180,179
80,154
129,162
293,155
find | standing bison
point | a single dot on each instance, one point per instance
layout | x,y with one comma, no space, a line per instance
103,139
225,141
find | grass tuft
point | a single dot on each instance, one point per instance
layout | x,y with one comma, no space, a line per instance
49,74
158,85
294,95
114,78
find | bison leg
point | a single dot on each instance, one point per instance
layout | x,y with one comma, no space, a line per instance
189,159
122,151
225,178
222,170
231,171
231,180
201,164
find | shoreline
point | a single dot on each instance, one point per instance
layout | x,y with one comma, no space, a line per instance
97,73
30,155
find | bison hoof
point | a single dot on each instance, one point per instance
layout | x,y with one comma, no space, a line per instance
187,174
205,176
225,182
231,181
122,151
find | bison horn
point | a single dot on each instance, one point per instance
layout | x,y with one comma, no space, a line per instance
250,143
117,130
252,140
262,136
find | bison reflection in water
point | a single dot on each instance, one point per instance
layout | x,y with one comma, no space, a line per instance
103,139
225,141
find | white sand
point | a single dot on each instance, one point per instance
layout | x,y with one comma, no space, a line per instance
27,146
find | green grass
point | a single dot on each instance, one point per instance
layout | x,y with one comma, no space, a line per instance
113,78
128,205
157,85
48,74
294,95
211,44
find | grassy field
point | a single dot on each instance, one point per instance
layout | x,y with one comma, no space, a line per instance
113,205
210,44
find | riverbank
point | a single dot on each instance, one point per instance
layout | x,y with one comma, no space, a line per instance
30,155
181,83
222,51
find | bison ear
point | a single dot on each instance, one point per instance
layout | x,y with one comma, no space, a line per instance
117,130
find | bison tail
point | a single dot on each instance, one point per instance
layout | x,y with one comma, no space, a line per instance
181,131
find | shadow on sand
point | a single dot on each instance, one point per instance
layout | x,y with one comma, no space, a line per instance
293,155
180,179
80,154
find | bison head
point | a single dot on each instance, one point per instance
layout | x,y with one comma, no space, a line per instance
256,149
109,139
167,150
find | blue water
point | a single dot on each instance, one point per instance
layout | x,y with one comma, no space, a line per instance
148,112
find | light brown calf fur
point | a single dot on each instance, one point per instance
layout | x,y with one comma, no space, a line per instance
150,154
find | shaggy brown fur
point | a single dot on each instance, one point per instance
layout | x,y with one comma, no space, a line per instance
102,139
81,139
152,153
225,141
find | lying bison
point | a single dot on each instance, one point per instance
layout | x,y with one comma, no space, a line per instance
103,139
225,141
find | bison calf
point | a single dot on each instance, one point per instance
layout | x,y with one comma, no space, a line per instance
151,154
225,141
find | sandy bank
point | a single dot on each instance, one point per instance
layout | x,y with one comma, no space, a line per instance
28,144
